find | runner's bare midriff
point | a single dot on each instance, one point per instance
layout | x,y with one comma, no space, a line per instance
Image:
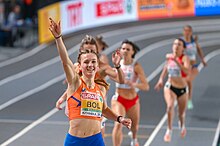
126,93
178,82
84,127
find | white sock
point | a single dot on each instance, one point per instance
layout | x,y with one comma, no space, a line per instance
183,127
134,141
169,131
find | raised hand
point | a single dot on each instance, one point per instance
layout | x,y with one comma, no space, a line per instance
55,28
116,57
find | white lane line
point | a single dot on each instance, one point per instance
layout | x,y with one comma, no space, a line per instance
139,55
33,91
164,118
208,57
38,121
159,33
141,126
217,136
15,121
22,132
23,56
174,127
28,71
193,23
29,127
156,130
145,50
109,50
118,32
70,50
56,59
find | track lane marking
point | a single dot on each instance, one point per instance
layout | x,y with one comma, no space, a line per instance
53,111
107,51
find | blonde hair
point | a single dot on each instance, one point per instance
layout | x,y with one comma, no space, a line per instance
88,40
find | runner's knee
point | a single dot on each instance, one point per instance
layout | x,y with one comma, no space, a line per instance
169,108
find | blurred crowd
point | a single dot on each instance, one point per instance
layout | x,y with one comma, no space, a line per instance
18,16
15,15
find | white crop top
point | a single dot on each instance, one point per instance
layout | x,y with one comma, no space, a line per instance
129,74
191,50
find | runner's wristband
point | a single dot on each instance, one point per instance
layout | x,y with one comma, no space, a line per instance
118,119
58,36
117,67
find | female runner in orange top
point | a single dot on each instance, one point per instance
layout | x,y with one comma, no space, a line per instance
85,100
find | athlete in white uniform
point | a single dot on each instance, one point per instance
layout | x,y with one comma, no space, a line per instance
192,49
177,67
126,99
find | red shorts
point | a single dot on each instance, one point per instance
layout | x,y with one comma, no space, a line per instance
127,103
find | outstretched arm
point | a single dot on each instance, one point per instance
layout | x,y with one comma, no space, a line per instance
200,52
109,114
67,63
159,84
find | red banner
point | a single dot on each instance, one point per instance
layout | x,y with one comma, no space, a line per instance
109,8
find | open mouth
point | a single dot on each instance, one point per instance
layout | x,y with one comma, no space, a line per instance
90,70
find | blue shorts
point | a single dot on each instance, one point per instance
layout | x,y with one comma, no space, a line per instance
94,140
195,65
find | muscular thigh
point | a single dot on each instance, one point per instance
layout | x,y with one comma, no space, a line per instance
118,108
182,100
134,113
169,96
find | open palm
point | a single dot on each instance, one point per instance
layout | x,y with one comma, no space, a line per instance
55,28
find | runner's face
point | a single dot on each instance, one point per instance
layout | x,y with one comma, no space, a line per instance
178,47
89,46
127,50
187,31
89,64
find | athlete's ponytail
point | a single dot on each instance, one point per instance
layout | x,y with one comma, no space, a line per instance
102,82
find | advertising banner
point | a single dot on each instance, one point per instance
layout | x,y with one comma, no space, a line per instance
164,8
77,15
72,13
207,7
43,23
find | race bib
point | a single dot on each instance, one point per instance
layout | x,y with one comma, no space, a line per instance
91,104
191,50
